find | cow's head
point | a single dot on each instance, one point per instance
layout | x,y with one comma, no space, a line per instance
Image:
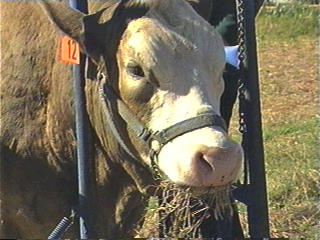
166,63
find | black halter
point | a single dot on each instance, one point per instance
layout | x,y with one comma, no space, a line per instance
154,140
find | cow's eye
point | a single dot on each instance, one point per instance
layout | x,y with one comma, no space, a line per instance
136,70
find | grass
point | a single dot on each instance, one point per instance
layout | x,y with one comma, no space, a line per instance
292,178
287,22
288,57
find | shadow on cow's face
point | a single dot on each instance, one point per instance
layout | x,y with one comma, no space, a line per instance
169,69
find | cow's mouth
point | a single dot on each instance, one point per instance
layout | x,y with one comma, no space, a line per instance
182,209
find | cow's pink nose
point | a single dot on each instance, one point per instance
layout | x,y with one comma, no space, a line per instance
214,166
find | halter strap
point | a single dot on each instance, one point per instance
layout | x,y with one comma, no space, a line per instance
148,136
188,125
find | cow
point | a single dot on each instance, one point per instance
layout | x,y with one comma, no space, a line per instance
159,59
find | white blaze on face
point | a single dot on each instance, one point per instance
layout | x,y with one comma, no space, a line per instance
187,62
203,157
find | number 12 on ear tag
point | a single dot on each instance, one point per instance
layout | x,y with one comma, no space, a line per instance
69,51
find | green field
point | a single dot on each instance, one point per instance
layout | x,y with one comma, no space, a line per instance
288,68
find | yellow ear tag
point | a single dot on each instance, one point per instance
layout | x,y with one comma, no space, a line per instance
69,51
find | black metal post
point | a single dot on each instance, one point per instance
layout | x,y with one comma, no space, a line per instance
254,153
84,181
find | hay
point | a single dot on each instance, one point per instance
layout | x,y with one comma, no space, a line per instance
181,210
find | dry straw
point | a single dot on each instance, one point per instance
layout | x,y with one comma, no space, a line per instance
181,210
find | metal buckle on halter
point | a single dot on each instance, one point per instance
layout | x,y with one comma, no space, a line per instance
155,143
155,147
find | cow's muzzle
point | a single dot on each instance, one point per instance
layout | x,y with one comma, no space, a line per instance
155,141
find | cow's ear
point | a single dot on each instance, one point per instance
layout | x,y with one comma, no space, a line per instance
69,20
85,29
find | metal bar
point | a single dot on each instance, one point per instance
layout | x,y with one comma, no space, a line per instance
258,208
82,125
257,5
82,156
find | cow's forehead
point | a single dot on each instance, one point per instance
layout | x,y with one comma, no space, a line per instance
153,42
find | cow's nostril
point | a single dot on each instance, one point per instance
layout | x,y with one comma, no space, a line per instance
222,178
201,165
201,159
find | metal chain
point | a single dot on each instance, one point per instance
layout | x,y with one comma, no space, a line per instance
156,173
241,57
241,86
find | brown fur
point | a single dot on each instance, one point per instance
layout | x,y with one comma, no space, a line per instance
37,138
36,135
38,179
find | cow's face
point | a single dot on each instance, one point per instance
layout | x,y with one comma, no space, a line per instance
169,67
167,76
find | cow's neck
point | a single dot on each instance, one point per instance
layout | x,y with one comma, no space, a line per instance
121,181
119,203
